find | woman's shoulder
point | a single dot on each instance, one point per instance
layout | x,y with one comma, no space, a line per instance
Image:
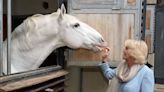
146,70
148,75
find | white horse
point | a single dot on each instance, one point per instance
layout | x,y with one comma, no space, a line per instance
34,39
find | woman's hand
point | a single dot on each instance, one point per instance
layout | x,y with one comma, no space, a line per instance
105,54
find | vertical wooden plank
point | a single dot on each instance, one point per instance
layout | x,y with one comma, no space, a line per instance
149,36
131,2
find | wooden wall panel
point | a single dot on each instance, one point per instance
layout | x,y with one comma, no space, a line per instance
149,34
151,1
95,1
115,28
131,2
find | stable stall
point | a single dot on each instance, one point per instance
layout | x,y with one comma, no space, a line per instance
51,75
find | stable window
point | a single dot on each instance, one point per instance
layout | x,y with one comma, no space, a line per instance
12,14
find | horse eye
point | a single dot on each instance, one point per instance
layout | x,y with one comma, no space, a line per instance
76,25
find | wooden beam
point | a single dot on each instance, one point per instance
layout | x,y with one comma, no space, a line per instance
28,74
32,81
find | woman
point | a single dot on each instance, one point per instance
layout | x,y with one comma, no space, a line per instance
131,75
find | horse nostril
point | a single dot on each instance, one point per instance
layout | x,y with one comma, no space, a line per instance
101,39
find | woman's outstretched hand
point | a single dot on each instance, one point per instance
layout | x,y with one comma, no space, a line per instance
105,54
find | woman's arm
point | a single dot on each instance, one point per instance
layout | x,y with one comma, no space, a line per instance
107,71
148,82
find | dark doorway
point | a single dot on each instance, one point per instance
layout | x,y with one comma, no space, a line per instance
159,42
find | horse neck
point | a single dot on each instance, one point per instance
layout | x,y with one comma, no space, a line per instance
32,49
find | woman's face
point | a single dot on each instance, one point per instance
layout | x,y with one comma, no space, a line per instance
126,55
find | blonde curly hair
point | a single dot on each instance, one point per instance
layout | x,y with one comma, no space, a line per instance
137,49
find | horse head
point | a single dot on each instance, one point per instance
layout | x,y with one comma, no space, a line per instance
76,34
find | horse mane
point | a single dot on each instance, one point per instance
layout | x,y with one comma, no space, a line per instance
31,22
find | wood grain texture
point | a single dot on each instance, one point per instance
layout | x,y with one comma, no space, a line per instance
32,81
149,34
131,2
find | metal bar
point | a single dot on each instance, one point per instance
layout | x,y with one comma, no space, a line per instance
9,36
1,37
144,20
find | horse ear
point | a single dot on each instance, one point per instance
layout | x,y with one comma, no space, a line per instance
62,11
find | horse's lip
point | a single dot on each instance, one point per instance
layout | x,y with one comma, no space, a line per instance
100,48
